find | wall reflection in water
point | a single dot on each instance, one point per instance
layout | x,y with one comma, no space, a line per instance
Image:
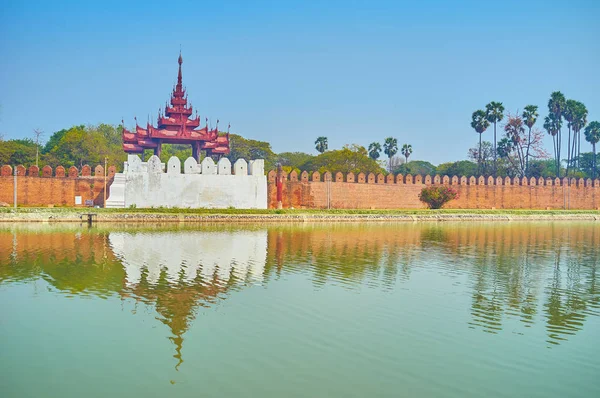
536,273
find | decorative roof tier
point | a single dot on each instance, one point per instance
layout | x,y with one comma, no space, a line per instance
174,126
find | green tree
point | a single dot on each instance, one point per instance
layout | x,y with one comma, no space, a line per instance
16,152
459,168
530,115
247,149
406,151
556,108
480,123
374,150
592,135
294,160
390,148
321,144
416,167
351,158
494,112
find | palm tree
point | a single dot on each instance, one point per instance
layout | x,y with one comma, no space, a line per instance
480,123
556,106
390,148
530,116
406,151
374,150
321,144
569,114
592,135
494,112
579,121
551,126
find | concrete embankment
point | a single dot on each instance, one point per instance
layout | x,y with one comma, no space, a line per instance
101,215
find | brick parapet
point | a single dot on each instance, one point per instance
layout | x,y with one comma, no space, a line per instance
358,191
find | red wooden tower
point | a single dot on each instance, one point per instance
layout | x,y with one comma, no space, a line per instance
174,126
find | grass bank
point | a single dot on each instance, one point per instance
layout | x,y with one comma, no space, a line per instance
236,215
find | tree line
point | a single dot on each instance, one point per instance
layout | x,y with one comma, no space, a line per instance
520,149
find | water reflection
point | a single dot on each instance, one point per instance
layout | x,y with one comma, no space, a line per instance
540,274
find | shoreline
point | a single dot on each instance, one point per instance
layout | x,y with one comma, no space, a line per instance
258,216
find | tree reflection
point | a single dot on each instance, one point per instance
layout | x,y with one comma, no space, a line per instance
532,273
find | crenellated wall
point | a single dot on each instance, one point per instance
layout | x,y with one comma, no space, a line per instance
58,187
205,185
350,191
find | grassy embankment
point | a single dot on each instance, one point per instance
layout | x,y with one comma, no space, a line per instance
176,214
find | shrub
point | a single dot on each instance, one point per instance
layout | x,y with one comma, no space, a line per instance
436,197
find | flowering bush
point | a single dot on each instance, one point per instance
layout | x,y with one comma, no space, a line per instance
435,197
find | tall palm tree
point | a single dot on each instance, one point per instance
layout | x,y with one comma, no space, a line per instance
390,148
374,150
592,135
494,112
556,106
551,126
406,151
321,144
579,121
569,114
530,115
480,123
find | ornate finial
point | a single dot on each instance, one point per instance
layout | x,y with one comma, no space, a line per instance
206,122
228,127
122,122
135,117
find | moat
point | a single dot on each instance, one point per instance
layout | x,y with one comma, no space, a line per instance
341,310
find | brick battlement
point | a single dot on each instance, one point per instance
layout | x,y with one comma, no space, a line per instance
59,172
57,187
430,180
370,191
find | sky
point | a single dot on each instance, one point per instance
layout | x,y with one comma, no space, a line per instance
289,71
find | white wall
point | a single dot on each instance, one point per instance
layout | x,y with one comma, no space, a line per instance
147,185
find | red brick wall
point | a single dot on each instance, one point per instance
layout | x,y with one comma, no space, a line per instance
43,188
402,192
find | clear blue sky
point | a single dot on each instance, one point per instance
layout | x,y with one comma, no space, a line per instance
289,71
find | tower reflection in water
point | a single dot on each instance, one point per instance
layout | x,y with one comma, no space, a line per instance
536,273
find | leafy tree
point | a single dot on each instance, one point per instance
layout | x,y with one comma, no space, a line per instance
494,112
592,135
321,144
374,150
480,123
390,148
248,149
556,109
351,158
416,167
82,145
460,168
16,152
435,197
406,151
530,115
294,160
542,168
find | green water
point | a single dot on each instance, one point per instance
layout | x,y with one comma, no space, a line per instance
312,310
